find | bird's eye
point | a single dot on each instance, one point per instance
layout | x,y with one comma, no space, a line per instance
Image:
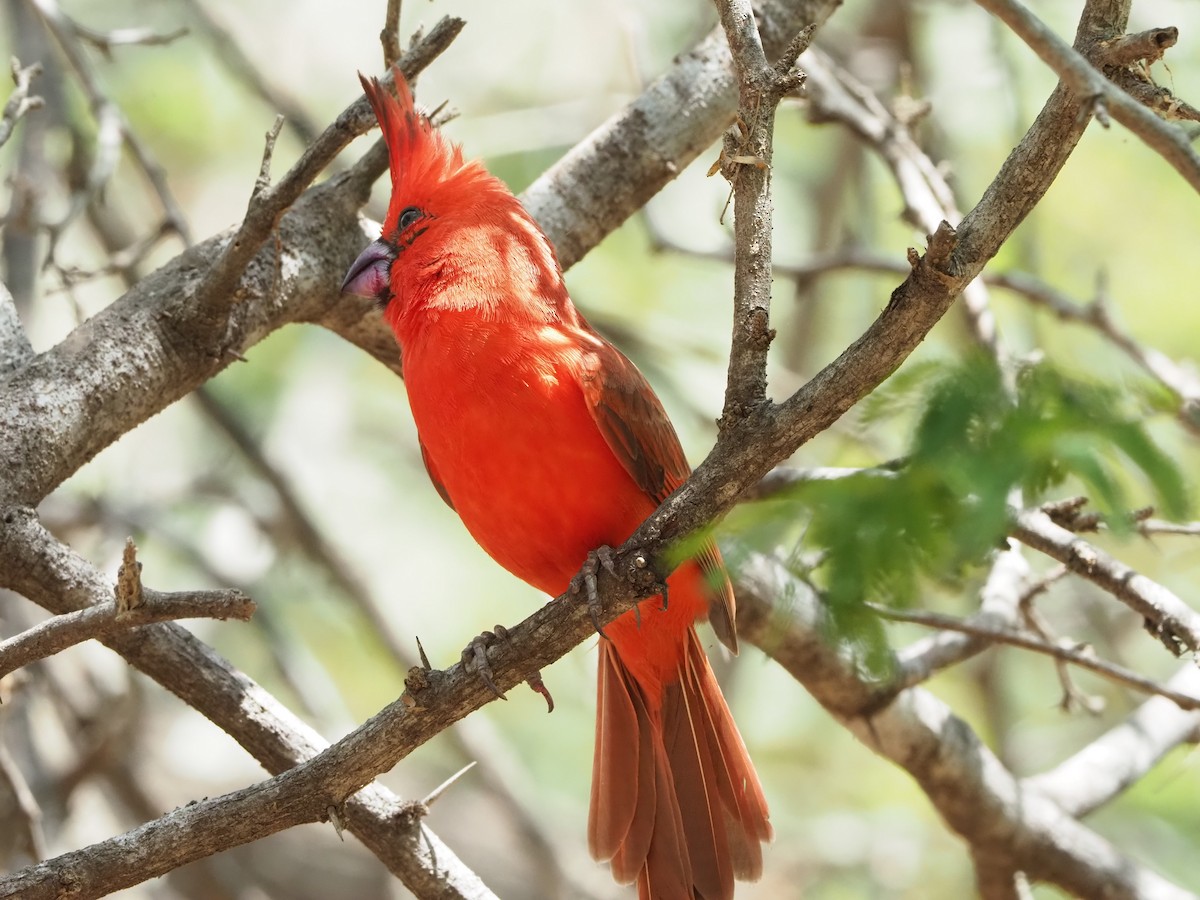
408,216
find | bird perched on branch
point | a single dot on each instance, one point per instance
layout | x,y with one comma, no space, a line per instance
549,444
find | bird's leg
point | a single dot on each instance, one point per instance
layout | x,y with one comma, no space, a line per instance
585,582
474,659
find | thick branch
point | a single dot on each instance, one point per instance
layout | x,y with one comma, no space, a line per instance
1120,757
1013,828
35,564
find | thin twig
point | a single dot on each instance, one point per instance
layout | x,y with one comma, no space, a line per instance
216,290
1098,314
228,49
928,199
1166,616
20,101
1077,654
57,634
1073,696
112,129
28,814
389,36
746,163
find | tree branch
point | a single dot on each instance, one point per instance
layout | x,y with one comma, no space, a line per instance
35,564
20,101
1118,758
611,174
57,634
1013,827
215,289
746,163
1167,617
1101,95
1069,652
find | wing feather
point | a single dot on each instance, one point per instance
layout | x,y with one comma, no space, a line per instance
640,435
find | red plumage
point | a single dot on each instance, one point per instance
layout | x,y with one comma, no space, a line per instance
549,443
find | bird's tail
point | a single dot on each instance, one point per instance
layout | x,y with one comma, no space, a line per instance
676,804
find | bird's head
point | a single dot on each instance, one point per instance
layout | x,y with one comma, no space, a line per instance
433,194
455,237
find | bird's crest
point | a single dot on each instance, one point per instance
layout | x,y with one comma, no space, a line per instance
420,157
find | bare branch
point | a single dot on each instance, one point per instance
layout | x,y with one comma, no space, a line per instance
746,163
1011,826
1145,46
611,174
57,634
19,101
216,289
112,130
1098,315
1067,651
928,199
1167,617
997,881
14,343
229,50
1101,95
389,35
29,814
35,564
1158,526
1118,758
1006,587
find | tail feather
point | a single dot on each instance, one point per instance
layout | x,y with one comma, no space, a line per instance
676,803
617,756
686,740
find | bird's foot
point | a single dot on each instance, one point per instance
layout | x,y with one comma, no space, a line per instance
584,582
474,657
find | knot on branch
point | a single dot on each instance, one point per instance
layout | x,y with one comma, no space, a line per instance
128,593
1126,60
934,271
417,684
1145,47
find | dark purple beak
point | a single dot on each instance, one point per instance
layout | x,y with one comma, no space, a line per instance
368,277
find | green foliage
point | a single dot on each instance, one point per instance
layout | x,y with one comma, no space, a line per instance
884,535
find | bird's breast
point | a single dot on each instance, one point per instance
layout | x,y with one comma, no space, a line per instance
507,428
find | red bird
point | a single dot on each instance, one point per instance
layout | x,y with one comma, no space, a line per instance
549,444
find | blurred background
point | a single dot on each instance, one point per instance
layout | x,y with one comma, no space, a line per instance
296,477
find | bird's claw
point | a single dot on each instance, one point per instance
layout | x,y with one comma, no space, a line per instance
535,682
585,582
474,657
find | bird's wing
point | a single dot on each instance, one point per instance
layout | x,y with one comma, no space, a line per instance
433,476
636,428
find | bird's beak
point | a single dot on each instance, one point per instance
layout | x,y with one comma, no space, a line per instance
368,277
